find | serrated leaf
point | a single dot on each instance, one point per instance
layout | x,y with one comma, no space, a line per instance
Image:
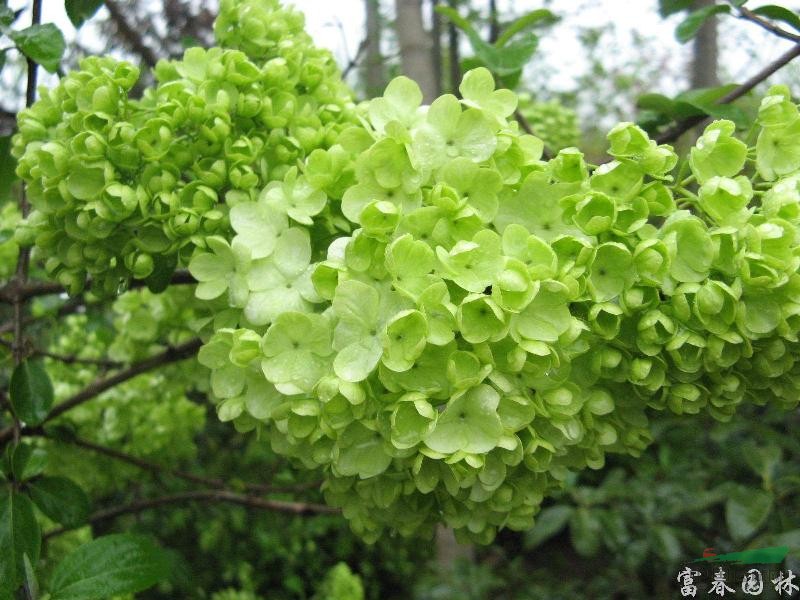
19,535
689,27
61,500
80,11
31,392
43,44
110,565
779,13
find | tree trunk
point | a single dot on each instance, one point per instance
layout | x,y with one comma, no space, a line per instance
415,46
449,551
454,56
436,49
374,80
704,57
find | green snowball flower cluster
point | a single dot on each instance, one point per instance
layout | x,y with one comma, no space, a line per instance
407,297
125,188
495,321
554,123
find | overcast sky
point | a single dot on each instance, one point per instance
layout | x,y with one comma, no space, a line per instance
339,26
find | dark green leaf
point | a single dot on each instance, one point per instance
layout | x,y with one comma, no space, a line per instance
80,11
2,59
31,392
548,523
19,456
7,16
692,24
763,460
7,167
43,44
584,529
19,535
540,16
657,103
110,565
61,500
37,461
666,544
779,13
746,510
504,61
670,7
31,584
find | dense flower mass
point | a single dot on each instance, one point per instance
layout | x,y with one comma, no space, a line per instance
408,297
551,121
126,188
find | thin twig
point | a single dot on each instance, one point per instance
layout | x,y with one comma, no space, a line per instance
45,288
296,508
128,32
748,15
682,127
354,61
71,359
99,386
159,469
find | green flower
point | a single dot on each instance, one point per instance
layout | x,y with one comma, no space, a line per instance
413,418
404,341
611,271
479,186
257,227
473,265
724,199
477,91
281,282
469,423
222,269
480,319
690,247
449,132
717,152
357,332
360,451
400,102
778,151
295,197
296,347
545,319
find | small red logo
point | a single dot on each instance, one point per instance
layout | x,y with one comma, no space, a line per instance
709,552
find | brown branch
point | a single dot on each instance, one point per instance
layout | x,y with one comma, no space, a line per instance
130,35
71,359
354,61
44,288
157,469
682,127
170,355
296,508
748,15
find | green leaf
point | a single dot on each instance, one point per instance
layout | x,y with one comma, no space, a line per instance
7,16
585,529
19,535
526,21
692,24
747,510
107,566
80,11
548,523
31,584
31,392
43,44
670,7
61,500
779,13
7,162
